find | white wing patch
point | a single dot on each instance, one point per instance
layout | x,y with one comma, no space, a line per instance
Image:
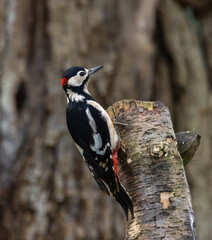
102,152
91,120
113,135
77,80
97,143
96,136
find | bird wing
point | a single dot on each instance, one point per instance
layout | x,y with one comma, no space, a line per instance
93,140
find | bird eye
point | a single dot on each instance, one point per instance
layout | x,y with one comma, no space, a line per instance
81,73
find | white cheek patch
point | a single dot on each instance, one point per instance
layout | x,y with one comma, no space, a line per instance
77,80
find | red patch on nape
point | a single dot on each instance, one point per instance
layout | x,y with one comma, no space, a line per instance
115,157
64,81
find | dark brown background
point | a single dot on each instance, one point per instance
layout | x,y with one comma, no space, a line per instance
151,50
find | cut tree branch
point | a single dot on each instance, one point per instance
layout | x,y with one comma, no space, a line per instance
152,170
187,144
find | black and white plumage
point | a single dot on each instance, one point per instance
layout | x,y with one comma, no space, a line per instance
93,133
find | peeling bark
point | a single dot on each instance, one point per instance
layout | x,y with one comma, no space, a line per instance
153,172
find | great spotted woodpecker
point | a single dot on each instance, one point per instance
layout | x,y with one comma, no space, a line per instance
93,133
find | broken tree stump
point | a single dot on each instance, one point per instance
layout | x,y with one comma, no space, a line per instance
152,171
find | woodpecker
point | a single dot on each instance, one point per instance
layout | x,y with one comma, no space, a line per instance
93,133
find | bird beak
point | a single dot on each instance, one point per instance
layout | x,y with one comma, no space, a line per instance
93,70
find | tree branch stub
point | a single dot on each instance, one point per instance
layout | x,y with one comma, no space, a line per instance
152,171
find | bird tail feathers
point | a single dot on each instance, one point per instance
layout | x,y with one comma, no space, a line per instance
124,200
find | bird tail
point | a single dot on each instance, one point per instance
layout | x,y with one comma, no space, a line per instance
124,200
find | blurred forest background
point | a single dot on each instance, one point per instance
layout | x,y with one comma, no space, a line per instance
150,49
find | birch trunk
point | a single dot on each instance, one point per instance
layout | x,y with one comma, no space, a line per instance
153,172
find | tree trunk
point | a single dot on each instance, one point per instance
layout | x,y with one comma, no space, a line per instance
153,172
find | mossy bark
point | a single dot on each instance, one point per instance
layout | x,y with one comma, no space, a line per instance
152,170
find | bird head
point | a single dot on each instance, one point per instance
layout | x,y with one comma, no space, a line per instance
75,78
